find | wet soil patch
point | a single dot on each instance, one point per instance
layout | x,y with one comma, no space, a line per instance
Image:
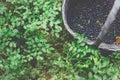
88,16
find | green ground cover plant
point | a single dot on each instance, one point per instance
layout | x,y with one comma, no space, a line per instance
34,45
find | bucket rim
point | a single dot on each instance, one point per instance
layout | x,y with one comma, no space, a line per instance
104,46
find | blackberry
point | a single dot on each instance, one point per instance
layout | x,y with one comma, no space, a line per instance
87,13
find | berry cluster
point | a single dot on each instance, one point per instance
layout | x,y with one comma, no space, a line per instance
88,16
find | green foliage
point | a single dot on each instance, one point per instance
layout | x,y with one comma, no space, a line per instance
25,27
34,46
88,63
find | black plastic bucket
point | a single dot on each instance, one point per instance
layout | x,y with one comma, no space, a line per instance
87,17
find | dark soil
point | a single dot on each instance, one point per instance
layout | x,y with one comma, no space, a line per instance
88,16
